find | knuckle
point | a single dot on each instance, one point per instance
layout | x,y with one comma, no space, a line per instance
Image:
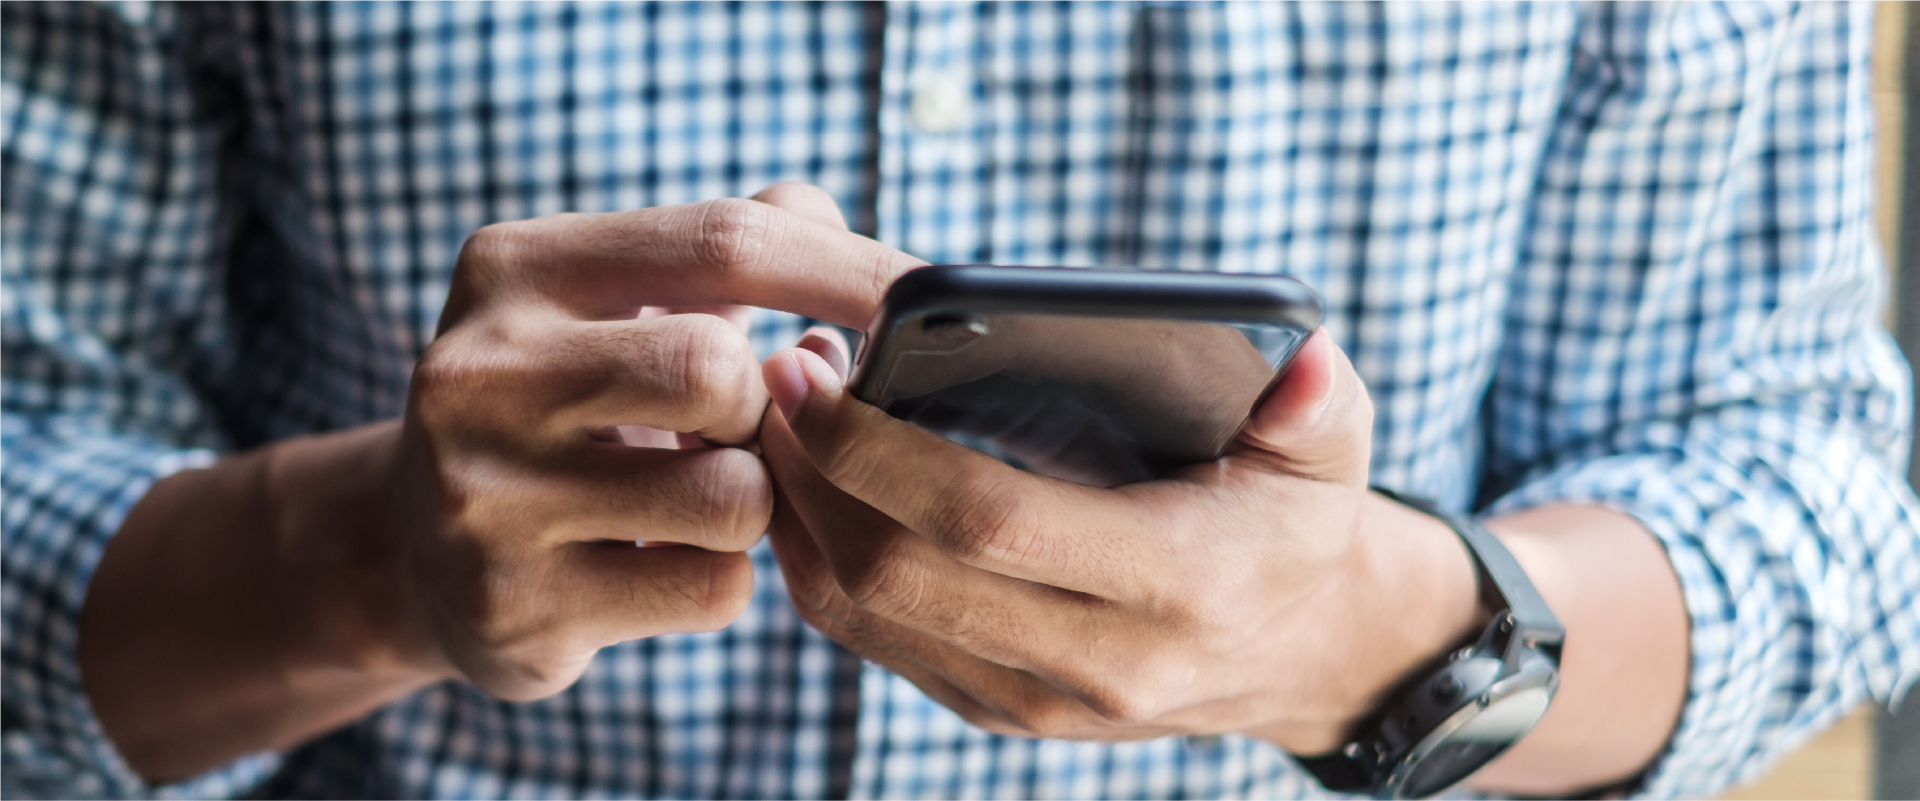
991,721
725,494
788,194
467,370
993,525
465,360
506,640
738,491
466,510
884,585
1048,718
1141,687
491,254
440,374
501,622
533,676
847,460
724,592
534,665
1124,702
484,602
492,244
825,606
1211,620
817,601
733,233
708,359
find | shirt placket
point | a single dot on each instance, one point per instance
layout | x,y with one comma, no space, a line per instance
929,200
932,159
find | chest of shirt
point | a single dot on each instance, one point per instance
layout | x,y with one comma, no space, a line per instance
1382,153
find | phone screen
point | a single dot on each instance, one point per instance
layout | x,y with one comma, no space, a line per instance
1098,400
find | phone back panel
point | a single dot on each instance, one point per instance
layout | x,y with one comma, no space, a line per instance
1096,376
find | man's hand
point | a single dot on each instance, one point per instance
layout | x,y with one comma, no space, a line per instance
521,500
491,534
1268,592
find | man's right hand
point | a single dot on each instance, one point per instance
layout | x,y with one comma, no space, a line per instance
490,535
520,506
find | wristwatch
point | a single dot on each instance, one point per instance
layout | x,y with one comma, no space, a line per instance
1454,715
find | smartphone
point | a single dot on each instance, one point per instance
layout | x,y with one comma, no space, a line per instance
1103,377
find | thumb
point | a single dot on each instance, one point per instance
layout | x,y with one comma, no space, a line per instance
1318,422
827,343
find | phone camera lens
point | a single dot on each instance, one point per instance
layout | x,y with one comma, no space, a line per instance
935,322
946,331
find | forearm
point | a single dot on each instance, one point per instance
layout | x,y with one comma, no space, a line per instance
1624,669
250,606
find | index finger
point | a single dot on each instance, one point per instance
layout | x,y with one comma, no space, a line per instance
726,251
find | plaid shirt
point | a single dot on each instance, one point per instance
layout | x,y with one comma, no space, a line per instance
1608,254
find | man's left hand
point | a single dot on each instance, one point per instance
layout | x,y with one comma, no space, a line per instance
1268,592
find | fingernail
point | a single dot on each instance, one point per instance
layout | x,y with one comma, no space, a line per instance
828,345
786,382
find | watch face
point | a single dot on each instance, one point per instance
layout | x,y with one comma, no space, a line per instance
1447,764
1483,735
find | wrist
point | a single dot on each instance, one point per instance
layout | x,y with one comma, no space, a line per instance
1418,590
249,606
340,557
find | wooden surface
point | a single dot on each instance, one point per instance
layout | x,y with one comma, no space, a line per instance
1889,93
1836,765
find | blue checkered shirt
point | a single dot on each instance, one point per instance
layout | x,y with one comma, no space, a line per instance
1608,254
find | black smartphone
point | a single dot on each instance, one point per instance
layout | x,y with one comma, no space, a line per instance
1103,377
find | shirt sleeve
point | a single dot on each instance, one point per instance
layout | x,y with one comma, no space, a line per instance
1695,339
113,316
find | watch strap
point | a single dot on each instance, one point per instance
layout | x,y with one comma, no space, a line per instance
1503,584
1522,621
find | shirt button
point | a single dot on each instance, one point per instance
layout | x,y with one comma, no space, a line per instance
942,105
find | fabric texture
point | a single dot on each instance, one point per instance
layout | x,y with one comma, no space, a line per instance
1603,253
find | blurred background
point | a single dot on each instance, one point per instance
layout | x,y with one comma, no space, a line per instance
1873,754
